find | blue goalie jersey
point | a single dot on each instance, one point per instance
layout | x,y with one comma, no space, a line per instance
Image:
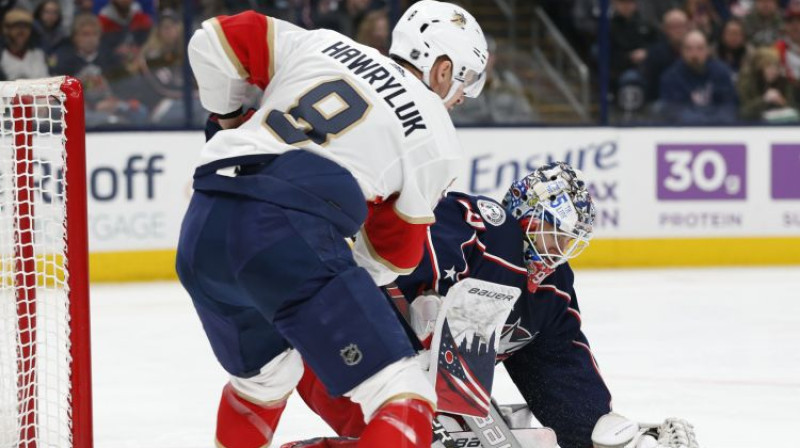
542,346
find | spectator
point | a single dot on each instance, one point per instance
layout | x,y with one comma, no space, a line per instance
653,11
161,66
738,8
85,60
279,9
125,28
665,52
703,16
789,45
630,37
374,30
84,6
585,20
343,16
47,20
83,50
19,59
766,93
698,88
732,48
503,99
728,9
763,24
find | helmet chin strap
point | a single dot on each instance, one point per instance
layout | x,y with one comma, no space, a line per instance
454,85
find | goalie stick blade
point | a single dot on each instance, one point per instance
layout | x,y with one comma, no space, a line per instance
492,431
441,437
529,438
465,343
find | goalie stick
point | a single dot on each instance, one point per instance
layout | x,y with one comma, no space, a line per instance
492,431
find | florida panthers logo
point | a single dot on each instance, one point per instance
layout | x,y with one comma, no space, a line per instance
459,20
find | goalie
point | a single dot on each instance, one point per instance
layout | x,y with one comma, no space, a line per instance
549,214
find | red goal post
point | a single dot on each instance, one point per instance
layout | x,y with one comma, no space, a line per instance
45,371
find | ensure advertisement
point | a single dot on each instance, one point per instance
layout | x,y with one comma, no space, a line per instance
731,196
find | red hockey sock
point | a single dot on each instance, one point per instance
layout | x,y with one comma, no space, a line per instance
244,424
403,423
340,413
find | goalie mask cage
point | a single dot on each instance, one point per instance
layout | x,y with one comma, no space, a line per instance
45,382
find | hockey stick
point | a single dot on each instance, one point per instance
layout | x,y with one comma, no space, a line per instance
442,435
492,431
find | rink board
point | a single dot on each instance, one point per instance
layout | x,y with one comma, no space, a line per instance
665,197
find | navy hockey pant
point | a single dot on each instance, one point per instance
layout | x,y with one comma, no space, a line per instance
264,258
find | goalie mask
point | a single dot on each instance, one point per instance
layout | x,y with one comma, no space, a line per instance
556,213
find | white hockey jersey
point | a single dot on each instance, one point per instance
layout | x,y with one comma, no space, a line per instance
344,101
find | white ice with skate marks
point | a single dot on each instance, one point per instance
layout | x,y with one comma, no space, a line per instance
715,346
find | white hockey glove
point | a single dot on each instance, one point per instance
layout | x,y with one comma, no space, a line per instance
616,431
423,312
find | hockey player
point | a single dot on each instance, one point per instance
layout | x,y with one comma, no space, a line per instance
345,141
544,220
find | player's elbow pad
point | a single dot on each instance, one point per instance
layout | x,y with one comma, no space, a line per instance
220,91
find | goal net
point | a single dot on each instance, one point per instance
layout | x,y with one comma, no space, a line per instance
44,345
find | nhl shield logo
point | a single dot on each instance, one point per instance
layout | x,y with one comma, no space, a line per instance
491,212
351,355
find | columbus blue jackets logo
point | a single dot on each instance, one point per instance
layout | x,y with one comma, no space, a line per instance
512,338
351,355
492,212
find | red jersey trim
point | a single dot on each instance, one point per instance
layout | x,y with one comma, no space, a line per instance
271,46
434,259
557,292
226,47
251,55
394,240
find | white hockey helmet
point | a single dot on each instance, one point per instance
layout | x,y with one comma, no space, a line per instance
429,29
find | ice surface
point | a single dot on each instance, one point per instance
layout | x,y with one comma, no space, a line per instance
715,346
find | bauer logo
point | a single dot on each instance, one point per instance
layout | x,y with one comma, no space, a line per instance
785,167
491,294
701,172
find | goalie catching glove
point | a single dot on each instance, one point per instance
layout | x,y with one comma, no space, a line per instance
616,431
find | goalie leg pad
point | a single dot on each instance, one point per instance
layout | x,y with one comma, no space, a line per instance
242,423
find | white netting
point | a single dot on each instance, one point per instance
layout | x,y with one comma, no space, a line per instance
34,300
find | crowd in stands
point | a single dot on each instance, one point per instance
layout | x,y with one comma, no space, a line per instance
698,61
129,54
678,61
